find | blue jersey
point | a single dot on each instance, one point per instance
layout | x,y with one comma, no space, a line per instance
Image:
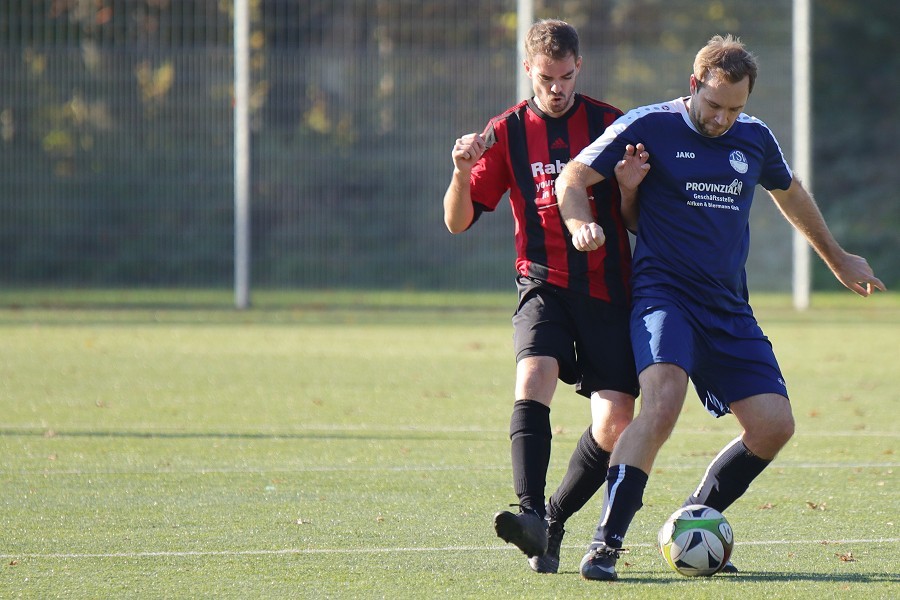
693,229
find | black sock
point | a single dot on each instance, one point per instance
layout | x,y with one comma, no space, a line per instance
624,497
586,472
728,476
530,434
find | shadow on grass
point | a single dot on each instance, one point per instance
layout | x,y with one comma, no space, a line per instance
764,577
820,577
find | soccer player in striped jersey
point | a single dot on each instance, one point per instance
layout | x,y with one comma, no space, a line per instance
571,322
691,315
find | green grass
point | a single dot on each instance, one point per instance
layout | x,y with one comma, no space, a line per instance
354,445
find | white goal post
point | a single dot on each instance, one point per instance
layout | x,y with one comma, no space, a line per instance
241,154
802,159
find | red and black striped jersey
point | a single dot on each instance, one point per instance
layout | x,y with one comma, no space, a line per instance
526,150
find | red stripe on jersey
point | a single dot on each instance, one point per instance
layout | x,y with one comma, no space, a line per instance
552,242
526,151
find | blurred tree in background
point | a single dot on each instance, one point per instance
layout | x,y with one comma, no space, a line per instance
116,128
857,128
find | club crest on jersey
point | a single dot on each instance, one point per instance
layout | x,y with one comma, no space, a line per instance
738,161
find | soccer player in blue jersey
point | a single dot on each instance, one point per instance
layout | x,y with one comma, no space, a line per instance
690,313
571,323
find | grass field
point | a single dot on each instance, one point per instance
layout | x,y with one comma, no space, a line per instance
354,445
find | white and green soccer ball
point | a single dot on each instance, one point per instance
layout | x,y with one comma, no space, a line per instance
696,541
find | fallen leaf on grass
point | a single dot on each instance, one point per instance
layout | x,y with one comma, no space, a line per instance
846,557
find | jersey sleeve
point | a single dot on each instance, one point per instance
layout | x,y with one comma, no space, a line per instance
489,179
776,174
606,151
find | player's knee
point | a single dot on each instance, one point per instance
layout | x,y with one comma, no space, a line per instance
607,433
665,415
768,441
611,414
779,428
657,423
783,430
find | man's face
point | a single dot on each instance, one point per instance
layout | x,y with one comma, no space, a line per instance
553,82
715,103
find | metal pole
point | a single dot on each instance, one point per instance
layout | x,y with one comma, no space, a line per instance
524,19
241,154
802,109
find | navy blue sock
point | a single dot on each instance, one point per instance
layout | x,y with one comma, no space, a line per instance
728,476
584,476
530,434
624,497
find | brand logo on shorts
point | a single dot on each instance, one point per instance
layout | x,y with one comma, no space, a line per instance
738,161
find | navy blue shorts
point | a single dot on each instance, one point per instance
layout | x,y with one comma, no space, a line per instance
727,357
589,338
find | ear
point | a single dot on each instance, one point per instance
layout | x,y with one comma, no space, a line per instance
693,84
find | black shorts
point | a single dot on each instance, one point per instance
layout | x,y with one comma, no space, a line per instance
589,338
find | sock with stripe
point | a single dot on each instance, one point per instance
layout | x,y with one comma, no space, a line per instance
624,497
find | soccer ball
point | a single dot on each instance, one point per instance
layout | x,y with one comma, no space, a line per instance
696,541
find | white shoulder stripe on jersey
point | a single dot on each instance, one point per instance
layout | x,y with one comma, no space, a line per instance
745,118
590,153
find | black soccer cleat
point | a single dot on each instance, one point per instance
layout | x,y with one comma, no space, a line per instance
729,568
526,530
599,564
548,562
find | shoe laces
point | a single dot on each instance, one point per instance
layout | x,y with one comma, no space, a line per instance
607,552
522,509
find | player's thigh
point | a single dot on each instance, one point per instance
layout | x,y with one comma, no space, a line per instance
663,389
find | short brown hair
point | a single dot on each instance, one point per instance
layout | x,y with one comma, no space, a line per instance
726,58
551,37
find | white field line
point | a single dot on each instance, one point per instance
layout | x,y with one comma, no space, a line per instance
362,428
399,469
311,551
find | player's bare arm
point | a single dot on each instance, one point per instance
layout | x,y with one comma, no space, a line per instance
571,193
801,211
458,211
630,171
